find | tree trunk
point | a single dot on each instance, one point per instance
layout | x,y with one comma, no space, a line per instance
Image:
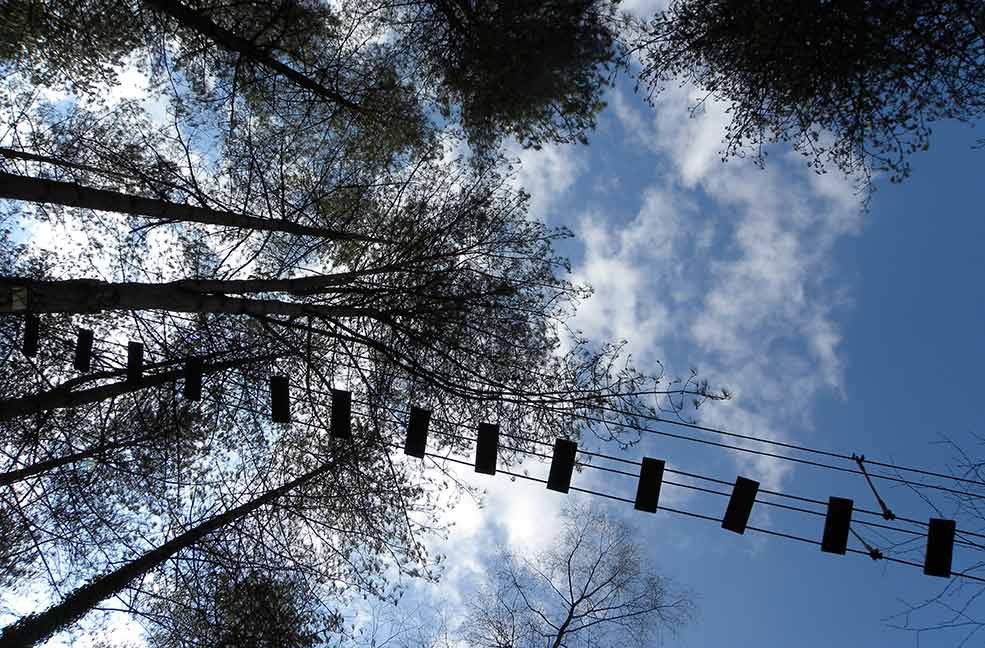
14,476
14,154
563,629
93,296
18,187
61,398
36,628
195,21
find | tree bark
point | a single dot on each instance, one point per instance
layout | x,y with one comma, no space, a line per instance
14,476
563,629
35,628
93,296
195,21
19,187
14,154
61,398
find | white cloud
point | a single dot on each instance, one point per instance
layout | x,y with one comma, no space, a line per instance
511,514
740,283
643,8
684,125
723,264
546,174
622,307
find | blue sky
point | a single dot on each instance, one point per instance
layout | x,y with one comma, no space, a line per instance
837,329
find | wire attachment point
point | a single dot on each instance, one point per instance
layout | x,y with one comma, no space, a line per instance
874,553
887,514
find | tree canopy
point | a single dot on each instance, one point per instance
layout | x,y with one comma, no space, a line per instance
855,84
591,588
535,71
292,229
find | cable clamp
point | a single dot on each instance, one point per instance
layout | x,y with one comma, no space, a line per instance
873,552
887,514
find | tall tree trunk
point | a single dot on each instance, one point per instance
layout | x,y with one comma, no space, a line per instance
19,187
14,154
93,296
195,21
36,628
41,467
61,398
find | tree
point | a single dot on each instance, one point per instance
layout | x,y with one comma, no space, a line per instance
240,603
403,626
534,71
460,309
592,588
81,43
460,317
35,628
871,74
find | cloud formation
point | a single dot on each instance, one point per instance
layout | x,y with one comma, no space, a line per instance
728,262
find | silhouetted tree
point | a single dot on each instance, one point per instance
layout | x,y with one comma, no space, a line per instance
234,605
536,71
855,83
402,626
274,228
592,587
340,506
464,300
82,43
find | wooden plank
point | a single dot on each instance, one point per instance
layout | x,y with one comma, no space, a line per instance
280,399
487,448
417,432
562,464
740,505
837,524
940,547
648,488
83,350
135,362
341,414
192,389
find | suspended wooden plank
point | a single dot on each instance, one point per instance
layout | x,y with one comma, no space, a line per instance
940,547
32,326
280,399
648,488
740,505
417,432
562,464
135,362
341,414
83,350
837,524
192,389
487,448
